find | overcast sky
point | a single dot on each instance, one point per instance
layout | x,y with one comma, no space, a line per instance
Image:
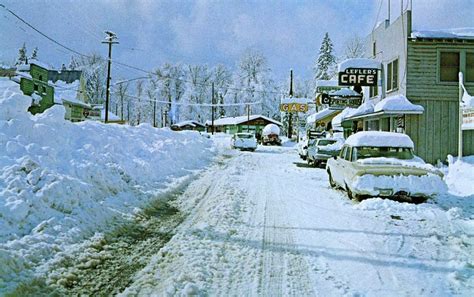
288,33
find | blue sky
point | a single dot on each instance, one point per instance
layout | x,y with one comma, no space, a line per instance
288,33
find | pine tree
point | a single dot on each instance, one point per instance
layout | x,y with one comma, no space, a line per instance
21,55
326,60
34,54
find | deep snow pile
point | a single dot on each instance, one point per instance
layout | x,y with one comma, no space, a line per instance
460,176
61,182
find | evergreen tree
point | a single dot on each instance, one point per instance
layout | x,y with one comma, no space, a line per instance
324,68
22,59
34,54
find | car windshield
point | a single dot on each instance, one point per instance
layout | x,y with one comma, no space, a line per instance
402,153
324,142
245,136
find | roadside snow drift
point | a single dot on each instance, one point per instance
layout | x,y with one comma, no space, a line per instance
61,182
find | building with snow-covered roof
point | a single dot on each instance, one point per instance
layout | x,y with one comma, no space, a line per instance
252,123
417,92
188,125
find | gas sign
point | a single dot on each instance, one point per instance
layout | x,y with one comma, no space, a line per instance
358,77
293,107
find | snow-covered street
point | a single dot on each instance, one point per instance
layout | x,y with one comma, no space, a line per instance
265,224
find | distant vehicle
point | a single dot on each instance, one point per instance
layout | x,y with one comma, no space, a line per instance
303,147
323,149
382,164
244,141
271,135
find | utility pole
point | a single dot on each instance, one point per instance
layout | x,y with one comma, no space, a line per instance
154,113
110,39
248,117
212,110
290,115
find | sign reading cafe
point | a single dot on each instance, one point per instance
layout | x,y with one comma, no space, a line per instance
358,77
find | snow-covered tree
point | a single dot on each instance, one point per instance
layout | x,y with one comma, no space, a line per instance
354,48
222,78
171,83
324,68
34,54
22,59
94,71
73,64
121,96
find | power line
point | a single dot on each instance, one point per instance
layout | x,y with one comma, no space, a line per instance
121,63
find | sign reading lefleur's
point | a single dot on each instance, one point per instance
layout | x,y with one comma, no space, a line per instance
358,77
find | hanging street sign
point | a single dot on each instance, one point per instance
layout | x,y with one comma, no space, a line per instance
358,77
343,102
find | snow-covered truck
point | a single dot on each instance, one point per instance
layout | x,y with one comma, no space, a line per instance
271,135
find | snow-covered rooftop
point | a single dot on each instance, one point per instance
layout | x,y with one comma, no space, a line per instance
380,139
359,63
346,113
344,92
241,119
190,123
398,103
454,33
320,115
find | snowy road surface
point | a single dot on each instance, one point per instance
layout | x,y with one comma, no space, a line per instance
265,224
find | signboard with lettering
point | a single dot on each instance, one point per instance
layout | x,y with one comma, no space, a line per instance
293,107
343,102
358,77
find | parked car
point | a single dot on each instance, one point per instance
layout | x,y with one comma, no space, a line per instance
303,147
322,149
244,141
382,164
271,135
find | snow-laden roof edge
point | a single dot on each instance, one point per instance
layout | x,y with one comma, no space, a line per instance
359,63
320,115
241,119
454,33
398,103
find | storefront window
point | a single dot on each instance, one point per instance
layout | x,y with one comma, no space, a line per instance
392,75
449,67
469,67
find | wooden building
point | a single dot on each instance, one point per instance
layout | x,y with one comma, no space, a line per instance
253,124
188,125
422,66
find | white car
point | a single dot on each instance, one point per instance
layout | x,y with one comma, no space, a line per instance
382,164
322,150
244,141
303,147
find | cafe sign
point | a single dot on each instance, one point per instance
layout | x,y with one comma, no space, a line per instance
358,77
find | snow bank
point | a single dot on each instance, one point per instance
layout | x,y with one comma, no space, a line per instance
460,176
380,139
61,182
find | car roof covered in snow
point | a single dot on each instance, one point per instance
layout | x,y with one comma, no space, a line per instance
380,139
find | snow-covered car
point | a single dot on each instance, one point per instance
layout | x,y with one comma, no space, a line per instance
244,141
322,150
271,135
303,147
382,164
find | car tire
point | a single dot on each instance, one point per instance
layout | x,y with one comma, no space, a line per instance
331,181
351,195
